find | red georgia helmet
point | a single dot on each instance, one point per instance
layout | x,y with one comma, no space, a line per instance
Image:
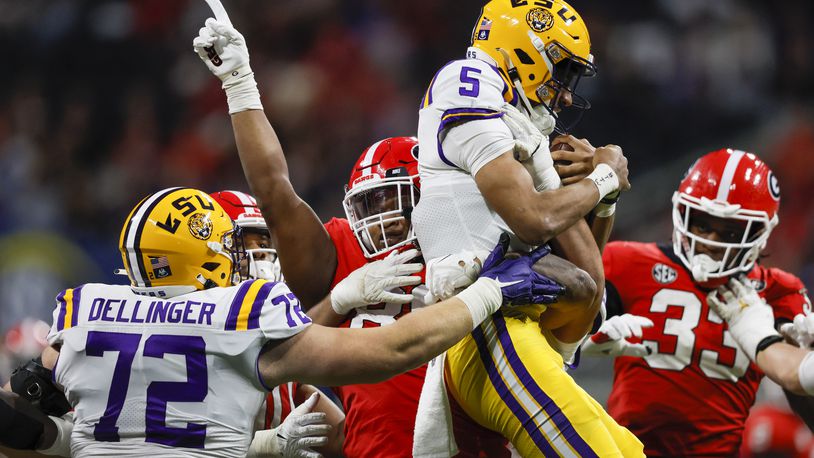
728,184
382,191
242,208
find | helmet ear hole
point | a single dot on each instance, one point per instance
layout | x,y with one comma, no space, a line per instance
210,266
523,56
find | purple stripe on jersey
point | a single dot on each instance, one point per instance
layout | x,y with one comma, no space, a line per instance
234,309
548,404
62,308
257,305
461,114
259,374
507,397
75,300
467,114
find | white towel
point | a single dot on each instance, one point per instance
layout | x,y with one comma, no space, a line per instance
433,436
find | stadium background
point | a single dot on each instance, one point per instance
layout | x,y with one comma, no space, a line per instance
103,102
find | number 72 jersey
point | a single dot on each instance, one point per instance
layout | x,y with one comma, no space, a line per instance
692,395
154,376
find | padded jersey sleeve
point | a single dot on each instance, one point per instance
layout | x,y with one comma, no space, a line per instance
266,306
66,314
786,294
470,94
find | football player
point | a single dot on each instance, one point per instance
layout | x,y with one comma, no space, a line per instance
486,168
381,193
261,260
682,384
177,362
261,263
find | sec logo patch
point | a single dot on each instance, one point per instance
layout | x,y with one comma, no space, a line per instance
664,274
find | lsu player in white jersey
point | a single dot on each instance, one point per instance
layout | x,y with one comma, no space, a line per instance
486,168
177,363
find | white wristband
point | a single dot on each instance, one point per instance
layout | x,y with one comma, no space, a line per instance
482,298
806,373
265,444
62,443
605,179
242,93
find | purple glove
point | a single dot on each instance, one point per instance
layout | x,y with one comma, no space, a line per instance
519,283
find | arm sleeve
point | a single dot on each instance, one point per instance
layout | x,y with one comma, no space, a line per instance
473,144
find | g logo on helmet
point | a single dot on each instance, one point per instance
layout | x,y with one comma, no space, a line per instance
774,186
200,226
540,19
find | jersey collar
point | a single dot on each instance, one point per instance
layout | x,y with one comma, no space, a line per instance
476,53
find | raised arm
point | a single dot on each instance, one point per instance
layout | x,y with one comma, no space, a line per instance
307,254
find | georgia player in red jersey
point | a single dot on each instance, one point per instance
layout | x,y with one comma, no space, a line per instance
382,189
682,384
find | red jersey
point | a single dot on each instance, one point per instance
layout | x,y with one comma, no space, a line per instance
379,417
279,403
692,395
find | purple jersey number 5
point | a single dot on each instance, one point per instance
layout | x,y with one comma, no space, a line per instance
471,87
158,392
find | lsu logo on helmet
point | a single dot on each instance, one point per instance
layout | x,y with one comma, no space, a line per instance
161,258
200,226
539,19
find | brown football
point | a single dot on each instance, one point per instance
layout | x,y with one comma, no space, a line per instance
562,147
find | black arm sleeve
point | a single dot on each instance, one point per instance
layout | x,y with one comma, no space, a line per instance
18,430
613,303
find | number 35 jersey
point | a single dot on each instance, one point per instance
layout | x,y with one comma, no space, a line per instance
692,395
167,376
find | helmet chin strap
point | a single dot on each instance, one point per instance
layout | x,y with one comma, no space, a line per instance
264,270
541,118
702,266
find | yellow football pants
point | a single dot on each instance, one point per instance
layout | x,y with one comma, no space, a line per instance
507,378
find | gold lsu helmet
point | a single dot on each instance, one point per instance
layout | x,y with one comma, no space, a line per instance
542,45
178,240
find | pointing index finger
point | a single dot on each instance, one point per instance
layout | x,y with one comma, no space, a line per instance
220,12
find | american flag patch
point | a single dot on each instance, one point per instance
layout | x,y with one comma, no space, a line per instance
161,267
483,30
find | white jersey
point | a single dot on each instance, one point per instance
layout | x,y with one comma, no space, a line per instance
459,131
167,377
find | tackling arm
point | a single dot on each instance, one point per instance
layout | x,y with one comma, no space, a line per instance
331,356
790,367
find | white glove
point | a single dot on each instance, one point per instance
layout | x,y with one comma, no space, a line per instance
531,148
300,431
611,339
370,284
750,319
527,137
448,275
801,331
223,49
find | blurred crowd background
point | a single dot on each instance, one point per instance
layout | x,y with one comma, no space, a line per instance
103,102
